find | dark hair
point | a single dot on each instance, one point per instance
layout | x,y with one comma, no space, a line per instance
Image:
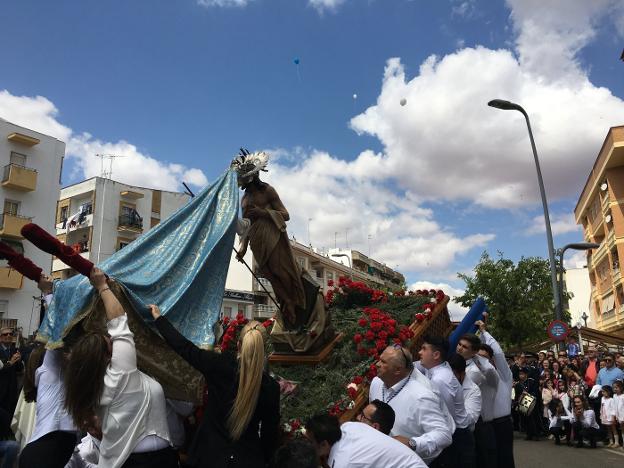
487,348
619,383
583,400
438,344
323,427
297,453
473,339
457,363
383,415
84,377
34,362
608,389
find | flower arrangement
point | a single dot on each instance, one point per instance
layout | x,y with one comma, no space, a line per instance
348,293
233,328
377,331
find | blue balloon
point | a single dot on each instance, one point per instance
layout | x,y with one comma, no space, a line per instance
296,61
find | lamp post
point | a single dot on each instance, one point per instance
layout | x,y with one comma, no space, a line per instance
507,105
575,246
348,259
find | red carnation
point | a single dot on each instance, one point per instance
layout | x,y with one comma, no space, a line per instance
357,338
362,322
370,336
330,283
357,380
419,317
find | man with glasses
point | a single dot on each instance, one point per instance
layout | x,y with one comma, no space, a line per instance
590,367
421,421
609,373
378,415
12,364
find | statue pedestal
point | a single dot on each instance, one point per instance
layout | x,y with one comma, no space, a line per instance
289,359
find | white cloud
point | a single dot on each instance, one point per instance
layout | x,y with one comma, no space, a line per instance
465,9
456,311
446,143
223,3
135,167
325,5
562,223
575,259
340,195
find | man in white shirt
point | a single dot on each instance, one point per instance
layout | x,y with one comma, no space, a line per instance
485,376
434,366
378,415
355,444
421,422
472,404
503,422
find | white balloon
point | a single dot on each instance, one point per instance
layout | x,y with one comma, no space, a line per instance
355,96
403,101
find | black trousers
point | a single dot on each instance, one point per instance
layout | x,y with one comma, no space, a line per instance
588,433
503,431
485,443
163,458
460,454
53,450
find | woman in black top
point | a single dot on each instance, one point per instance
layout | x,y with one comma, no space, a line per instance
241,418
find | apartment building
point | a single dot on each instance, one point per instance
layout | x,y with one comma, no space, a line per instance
32,163
600,211
100,216
323,266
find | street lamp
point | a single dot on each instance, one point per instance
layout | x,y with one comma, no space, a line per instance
585,317
506,105
348,259
575,246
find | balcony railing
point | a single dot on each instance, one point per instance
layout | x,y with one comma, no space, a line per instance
19,178
264,311
12,224
132,222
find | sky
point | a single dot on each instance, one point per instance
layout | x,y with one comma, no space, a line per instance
374,111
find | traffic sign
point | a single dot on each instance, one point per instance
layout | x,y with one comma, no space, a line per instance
558,330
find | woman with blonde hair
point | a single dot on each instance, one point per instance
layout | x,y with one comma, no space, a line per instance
241,418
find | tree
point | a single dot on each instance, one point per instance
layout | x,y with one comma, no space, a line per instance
519,297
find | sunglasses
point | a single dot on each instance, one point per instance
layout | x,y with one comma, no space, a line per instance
6,334
408,363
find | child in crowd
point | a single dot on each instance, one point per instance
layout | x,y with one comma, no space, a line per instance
607,415
557,416
618,403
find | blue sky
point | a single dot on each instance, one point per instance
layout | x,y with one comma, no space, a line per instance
179,86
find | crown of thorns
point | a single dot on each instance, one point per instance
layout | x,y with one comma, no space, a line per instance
248,164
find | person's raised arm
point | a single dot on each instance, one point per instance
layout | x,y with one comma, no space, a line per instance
112,305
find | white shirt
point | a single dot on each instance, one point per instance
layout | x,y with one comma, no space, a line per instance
419,415
485,376
51,414
449,389
132,404
589,419
502,401
619,407
472,401
556,421
361,446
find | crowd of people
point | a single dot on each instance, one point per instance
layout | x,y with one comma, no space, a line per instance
444,408
570,397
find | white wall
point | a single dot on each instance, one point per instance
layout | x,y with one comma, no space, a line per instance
46,158
577,282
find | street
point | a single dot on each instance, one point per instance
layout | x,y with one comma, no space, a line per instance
545,454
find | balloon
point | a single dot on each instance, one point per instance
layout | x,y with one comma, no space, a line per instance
403,101
296,61
355,96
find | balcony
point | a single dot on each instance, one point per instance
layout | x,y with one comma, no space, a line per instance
23,139
10,278
262,282
12,225
19,178
264,311
132,223
58,265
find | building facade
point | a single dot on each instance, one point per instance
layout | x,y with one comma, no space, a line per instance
32,163
600,211
100,216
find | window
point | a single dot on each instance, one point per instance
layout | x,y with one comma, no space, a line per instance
329,275
18,158
4,308
122,244
86,208
63,215
301,261
11,207
227,311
